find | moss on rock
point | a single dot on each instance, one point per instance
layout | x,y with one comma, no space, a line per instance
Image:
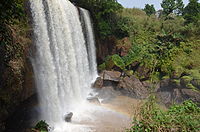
186,80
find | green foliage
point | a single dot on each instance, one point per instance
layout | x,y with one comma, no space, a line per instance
168,6
118,61
111,61
149,9
106,20
192,12
183,117
11,9
172,6
179,7
133,55
167,46
41,126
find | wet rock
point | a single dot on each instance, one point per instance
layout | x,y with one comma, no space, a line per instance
98,83
68,117
133,86
107,94
94,100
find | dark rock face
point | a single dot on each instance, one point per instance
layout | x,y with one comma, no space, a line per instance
191,94
16,75
196,83
105,48
168,91
68,117
133,86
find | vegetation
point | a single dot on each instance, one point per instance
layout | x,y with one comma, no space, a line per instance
149,9
41,126
106,20
168,47
172,6
192,12
14,41
184,117
11,9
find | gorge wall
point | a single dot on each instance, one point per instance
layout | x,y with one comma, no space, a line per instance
16,74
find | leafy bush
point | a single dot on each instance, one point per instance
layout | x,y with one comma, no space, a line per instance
183,117
41,126
11,9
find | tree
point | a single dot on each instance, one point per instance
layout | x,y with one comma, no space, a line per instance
192,11
168,6
104,14
10,9
179,7
149,9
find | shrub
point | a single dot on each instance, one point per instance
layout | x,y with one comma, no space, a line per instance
183,117
41,126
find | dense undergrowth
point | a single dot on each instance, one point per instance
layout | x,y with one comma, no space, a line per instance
184,117
163,47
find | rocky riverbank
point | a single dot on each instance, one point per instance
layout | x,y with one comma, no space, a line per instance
167,90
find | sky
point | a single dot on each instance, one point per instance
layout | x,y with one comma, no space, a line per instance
141,3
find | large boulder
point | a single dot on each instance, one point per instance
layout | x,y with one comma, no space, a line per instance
133,86
112,76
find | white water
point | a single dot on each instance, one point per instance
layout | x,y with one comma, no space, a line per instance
89,35
62,70
64,63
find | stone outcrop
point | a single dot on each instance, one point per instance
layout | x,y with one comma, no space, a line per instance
168,91
105,48
111,76
133,86
16,75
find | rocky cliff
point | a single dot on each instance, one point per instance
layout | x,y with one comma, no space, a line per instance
16,75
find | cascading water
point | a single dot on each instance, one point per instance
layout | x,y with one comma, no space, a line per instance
63,65
87,26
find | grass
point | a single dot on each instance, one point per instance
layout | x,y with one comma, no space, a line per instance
180,118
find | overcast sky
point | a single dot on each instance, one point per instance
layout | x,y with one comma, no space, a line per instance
141,3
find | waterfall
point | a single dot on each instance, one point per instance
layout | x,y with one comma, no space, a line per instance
64,59
87,26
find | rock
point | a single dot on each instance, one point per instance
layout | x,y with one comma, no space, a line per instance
185,80
143,72
107,93
175,82
123,46
191,94
112,76
68,117
154,86
196,83
93,99
98,83
134,87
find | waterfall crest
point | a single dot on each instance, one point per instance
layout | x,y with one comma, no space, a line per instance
64,62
